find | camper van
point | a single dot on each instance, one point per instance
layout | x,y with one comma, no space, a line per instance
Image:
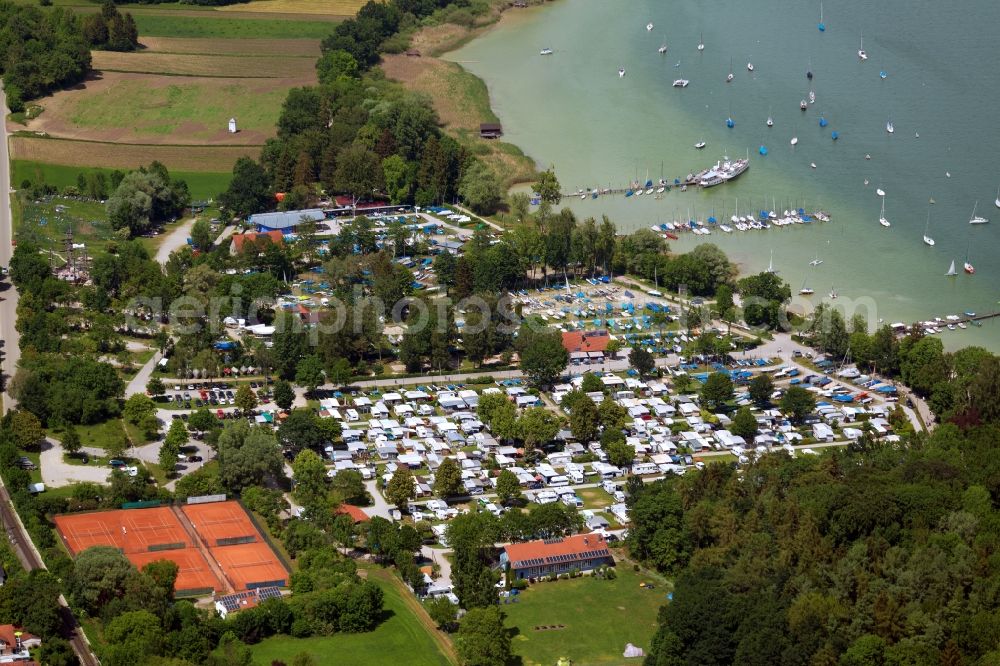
645,468
557,481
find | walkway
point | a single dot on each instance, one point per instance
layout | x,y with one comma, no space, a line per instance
174,240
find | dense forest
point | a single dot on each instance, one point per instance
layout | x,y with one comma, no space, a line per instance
43,51
880,553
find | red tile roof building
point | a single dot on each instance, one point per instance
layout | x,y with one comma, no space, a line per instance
586,341
555,556
354,512
239,240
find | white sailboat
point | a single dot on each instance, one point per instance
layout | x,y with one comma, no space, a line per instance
770,119
889,127
749,66
700,144
927,228
663,48
833,293
621,72
770,264
861,49
977,219
701,42
730,76
996,201
881,218
951,269
649,27
794,140
806,291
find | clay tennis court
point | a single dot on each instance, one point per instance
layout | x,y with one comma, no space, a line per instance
220,521
131,531
193,572
250,563
215,545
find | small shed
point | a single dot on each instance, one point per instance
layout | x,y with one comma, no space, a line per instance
490,130
232,126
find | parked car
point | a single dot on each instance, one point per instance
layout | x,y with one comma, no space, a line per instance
194,458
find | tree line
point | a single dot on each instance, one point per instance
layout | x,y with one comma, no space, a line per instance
42,51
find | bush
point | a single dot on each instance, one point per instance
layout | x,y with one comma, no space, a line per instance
519,584
610,574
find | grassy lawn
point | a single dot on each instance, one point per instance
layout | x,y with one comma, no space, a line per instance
46,221
102,435
192,106
595,498
202,185
166,25
400,639
599,618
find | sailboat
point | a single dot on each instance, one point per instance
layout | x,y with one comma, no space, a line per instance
977,219
803,104
821,26
701,42
951,270
816,261
770,120
770,264
663,48
649,27
730,76
889,127
806,291
996,201
881,218
621,72
809,70
749,66
861,50
833,293
794,140
700,144
927,228
967,267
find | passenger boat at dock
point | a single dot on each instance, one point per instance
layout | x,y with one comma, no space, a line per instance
722,172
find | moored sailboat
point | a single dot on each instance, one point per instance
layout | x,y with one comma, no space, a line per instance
977,219
927,227
881,218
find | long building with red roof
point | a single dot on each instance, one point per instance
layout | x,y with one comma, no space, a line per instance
547,557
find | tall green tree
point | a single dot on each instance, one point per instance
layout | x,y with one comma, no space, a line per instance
448,479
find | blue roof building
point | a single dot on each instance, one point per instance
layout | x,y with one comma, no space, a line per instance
286,220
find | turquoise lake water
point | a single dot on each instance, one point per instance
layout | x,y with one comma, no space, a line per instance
573,111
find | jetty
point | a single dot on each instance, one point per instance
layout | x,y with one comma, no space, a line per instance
950,322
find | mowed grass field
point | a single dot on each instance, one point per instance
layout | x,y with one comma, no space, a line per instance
219,26
598,618
202,65
401,639
214,159
327,7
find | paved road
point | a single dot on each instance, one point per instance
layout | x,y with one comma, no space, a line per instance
138,383
8,295
56,472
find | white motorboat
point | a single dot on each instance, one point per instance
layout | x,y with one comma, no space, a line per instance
660,190
794,140
803,105
730,76
806,291
662,49
749,66
889,127
701,42
681,83
996,201
621,72
545,51
977,219
812,165
881,218
649,26
879,191
770,121
861,51
927,229
699,145
812,96
833,293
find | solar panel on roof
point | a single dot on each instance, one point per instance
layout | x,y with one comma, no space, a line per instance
268,593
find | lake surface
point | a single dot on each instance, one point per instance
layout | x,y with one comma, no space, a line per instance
572,110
